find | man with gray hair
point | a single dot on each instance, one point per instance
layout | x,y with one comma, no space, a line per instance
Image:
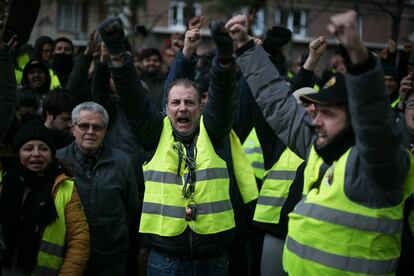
107,187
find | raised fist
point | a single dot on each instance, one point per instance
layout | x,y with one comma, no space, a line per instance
221,39
112,34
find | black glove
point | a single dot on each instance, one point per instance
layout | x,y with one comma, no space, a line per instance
276,37
112,34
221,39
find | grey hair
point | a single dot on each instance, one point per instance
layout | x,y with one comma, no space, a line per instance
92,107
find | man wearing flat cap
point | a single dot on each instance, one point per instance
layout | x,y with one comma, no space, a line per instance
357,173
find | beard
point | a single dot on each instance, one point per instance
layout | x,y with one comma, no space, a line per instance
337,145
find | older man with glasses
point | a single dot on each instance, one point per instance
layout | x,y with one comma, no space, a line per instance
107,187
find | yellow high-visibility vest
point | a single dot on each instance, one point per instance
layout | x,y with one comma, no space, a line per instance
164,207
331,235
275,187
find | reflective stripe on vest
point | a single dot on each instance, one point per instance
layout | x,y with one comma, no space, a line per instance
281,175
164,206
354,265
271,201
254,154
171,178
275,188
52,249
177,212
258,168
253,150
351,220
52,246
243,171
331,235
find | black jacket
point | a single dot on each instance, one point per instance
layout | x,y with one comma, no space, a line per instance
146,122
8,89
109,196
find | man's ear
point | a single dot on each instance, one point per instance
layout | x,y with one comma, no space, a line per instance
166,109
72,129
48,118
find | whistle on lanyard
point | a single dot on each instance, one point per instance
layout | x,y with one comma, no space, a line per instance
190,212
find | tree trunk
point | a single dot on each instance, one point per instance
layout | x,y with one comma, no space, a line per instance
395,28
396,21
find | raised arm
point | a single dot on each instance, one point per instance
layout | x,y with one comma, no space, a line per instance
271,92
143,117
78,82
306,77
184,63
378,139
222,95
100,88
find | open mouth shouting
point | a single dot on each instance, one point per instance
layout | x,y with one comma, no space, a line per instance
184,123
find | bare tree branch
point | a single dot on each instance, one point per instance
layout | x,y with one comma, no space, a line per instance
382,7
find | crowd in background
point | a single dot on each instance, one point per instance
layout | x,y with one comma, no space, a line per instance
67,108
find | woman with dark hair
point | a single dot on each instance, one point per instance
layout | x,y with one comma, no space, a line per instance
43,48
44,227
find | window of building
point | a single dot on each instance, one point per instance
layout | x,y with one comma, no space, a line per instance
411,29
360,26
70,16
294,20
258,26
176,16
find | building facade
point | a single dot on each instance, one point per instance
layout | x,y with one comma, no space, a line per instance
307,19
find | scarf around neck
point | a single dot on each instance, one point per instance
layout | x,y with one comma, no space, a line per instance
26,208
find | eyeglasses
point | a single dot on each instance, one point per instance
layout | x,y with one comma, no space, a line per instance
86,127
409,104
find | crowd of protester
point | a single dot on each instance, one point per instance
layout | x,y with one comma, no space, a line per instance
122,161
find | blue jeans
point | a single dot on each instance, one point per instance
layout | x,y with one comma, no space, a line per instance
159,265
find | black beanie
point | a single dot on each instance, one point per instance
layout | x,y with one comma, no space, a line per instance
33,129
